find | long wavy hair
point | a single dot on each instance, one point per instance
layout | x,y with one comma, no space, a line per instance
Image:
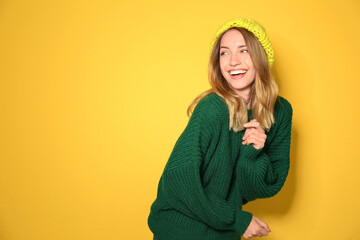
264,90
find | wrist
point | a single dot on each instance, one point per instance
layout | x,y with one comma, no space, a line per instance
249,151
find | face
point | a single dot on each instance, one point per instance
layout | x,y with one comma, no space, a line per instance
235,62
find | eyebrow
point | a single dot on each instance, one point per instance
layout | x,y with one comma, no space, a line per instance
241,46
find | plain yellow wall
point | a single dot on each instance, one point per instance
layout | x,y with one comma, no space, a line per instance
93,96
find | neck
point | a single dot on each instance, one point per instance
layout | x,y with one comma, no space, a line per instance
246,98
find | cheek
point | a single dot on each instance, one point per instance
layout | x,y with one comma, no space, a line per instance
253,75
249,61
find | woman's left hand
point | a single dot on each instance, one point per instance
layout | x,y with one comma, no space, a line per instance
254,134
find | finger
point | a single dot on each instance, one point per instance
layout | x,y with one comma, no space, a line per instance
260,232
251,124
253,121
260,138
248,139
254,124
263,231
263,224
253,139
247,132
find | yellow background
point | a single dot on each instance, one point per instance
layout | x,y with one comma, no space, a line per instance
93,96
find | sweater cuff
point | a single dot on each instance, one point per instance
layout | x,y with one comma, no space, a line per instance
249,151
243,221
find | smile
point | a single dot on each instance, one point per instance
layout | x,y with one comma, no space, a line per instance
237,74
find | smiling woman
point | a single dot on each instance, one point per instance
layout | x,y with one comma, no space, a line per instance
236,64
222,160
242,44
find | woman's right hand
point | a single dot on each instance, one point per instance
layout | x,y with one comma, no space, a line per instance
256,228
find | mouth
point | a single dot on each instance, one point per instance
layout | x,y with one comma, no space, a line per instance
237,74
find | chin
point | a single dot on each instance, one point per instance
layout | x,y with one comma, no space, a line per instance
241,87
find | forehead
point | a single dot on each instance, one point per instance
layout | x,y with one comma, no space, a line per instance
232,37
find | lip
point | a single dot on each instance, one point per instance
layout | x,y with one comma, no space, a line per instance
237,69
237,77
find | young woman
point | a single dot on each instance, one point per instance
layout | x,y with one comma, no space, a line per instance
234,149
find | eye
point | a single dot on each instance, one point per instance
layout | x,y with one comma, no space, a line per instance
222,53
244,51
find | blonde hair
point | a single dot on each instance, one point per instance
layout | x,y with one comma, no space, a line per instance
264,90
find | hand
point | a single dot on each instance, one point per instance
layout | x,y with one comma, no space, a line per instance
256,228
254,134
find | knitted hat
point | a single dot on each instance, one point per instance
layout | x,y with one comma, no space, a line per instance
253,27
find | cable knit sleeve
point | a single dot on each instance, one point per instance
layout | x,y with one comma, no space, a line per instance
181,180
265,171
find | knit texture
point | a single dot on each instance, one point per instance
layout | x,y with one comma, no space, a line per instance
252,26
210,175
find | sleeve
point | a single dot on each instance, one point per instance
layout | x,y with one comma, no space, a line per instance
181,181
270,167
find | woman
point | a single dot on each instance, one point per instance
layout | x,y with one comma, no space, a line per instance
222,160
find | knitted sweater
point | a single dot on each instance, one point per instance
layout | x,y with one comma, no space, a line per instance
210,174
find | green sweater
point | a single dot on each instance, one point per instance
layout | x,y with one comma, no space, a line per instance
210,175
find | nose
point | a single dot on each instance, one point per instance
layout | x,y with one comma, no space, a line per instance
235,59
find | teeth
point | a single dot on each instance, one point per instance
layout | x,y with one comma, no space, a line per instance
237,72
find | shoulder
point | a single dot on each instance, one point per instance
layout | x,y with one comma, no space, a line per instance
212,103
282,106
283,111
212,108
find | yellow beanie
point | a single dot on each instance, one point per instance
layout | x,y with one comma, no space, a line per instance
252,26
